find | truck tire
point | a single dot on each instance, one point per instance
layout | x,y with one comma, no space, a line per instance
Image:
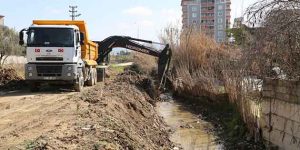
34,87
90,81
79,83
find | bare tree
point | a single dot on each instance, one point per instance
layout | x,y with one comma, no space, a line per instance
9,44
277,42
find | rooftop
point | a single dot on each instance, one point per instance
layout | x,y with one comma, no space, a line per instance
1,16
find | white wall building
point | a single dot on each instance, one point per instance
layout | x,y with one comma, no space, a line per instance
1,20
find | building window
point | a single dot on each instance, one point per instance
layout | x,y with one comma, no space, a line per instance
194,15
204,8
220,27
220,33
220,20
194,8
220,13
220,7
222,1
210,8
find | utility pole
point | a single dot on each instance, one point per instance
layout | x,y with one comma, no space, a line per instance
73,12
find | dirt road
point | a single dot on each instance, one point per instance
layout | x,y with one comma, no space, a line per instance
24,116
114,115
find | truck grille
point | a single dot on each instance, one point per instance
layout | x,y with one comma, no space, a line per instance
49,59
49,71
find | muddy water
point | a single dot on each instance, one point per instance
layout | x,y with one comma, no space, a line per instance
190,132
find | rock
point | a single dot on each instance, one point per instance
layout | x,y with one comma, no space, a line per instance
176,148
88,127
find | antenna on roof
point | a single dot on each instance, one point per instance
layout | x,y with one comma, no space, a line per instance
73,12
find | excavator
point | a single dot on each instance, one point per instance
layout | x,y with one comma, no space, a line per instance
164,56
60,52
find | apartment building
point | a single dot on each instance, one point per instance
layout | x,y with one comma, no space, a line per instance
238,22
209,16
1,20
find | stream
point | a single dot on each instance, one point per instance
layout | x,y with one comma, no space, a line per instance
189,131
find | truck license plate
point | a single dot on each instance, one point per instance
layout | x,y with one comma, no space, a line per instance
49,78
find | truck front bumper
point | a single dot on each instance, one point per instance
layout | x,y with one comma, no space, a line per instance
51,72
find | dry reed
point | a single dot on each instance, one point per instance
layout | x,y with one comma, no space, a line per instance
202,67
199,63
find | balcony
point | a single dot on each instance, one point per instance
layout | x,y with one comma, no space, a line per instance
207,11
207,17
207,4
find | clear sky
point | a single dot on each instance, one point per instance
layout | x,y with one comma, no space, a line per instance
143,18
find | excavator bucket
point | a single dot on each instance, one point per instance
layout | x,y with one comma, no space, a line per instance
164,64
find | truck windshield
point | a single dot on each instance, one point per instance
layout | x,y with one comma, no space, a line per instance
50,37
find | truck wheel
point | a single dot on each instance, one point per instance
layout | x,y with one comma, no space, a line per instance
34,87
90,81
80,83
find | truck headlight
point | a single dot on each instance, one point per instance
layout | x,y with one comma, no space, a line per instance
30,74
69,68
29,68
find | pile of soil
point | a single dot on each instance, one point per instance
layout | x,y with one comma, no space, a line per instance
116,115
8,75
143,81
10,80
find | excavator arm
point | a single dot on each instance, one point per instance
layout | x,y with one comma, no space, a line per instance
164,55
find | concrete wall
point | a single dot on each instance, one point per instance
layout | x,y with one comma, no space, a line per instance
15,60
280,113
1,21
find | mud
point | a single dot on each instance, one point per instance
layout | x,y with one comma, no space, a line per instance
114,115
190,131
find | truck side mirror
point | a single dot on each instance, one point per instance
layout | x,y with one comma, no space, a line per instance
21,37
81,38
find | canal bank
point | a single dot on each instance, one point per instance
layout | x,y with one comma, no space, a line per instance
202,124
187,129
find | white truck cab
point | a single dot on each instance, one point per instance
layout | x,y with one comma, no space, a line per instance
53,53
53,44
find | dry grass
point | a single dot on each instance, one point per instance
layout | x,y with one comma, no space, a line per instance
202,67
199,63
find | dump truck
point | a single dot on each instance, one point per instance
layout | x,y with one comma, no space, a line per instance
60,52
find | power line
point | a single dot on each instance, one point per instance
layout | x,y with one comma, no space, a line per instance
73,12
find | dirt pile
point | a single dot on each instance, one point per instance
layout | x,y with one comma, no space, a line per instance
8,75
10,80
143,81
117,115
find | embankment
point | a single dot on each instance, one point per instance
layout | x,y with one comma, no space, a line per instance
114,115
